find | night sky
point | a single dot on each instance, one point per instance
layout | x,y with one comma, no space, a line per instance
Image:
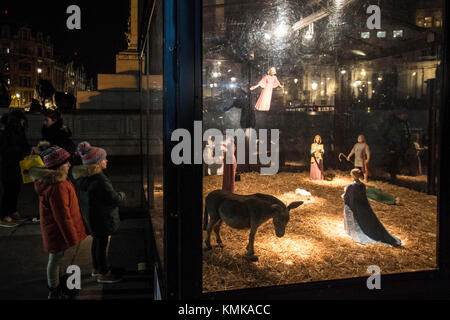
103,24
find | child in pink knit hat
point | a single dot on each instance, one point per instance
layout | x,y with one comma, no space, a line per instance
100,207
91,155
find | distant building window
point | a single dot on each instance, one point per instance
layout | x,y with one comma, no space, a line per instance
365,35
9,82
8,51
23,51
381,34
398,34
428,22
25,67
25,82
5,32
420,21
24,35
438,22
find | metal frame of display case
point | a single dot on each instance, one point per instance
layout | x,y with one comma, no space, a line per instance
183,205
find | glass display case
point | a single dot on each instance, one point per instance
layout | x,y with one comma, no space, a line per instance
151,80
320,77
293,148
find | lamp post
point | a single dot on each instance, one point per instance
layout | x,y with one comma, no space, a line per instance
18,96
39,72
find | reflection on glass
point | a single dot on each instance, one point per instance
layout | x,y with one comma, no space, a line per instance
381,34
398,34
372,101
152,111
365,35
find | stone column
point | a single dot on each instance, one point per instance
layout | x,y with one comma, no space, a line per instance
133,32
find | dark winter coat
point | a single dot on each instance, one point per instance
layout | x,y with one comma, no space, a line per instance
59,135
98,199
14,147
62,224
5,96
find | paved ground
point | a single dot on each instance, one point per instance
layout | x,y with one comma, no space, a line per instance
23,260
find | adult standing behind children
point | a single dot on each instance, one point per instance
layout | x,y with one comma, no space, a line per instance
100,206
55,132
14,147
62,224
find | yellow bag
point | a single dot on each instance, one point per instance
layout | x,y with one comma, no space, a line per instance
28,163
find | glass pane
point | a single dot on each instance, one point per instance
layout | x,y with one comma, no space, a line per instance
152,81
332,99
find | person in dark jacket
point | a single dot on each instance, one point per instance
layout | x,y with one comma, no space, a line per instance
55,132
14,147
62,224
99,205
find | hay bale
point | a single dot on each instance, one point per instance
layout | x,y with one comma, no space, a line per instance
316,247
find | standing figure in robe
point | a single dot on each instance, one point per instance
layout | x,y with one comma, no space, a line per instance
317,152
229,169
360,221
268,83
361,151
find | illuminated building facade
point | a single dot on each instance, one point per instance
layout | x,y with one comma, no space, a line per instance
27,56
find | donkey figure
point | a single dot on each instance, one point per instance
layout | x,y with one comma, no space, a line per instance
245,212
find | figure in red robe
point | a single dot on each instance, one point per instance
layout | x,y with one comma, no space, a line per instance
229,171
